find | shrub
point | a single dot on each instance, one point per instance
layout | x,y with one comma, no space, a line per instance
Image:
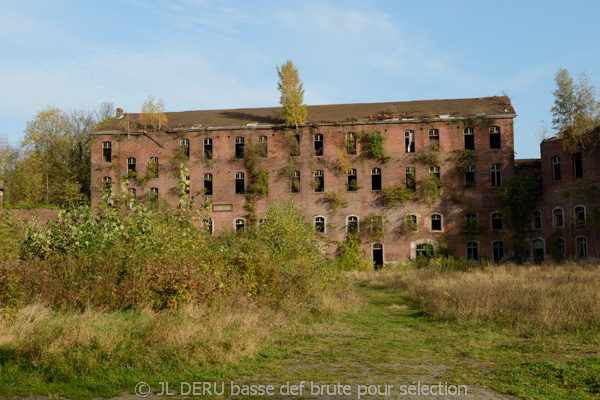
397,195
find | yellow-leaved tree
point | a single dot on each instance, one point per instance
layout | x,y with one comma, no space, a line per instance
292,94
153,114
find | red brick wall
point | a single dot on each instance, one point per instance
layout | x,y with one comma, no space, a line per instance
361,203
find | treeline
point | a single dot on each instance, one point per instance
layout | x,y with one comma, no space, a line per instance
50,167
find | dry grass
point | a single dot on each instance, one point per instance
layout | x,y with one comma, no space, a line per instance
540,297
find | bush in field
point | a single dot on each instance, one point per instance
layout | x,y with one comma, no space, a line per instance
125,258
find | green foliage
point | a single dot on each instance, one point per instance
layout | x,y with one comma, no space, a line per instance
374,144
397,195
576,115
292,94
373,226
350,256
430,190
429,157
462,158
12,292
335,200
519,194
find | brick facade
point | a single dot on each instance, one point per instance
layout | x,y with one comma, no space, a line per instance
449,119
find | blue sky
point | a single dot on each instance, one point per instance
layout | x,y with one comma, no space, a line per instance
197,54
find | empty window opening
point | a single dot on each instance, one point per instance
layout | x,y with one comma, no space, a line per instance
558,217
582,250
240,224
473,251
469,139
497,251
556,168
409,141
538,250
318,142
239,183
351,143
208,149
577,166
106,152
410,178
352,181
376,179
580,215
263,149
153,194
559,249
131,197
495,175
471,223
436,222
184,147
425,250
319,181
495,137
470,177
537,219
295,183
411,223
497,221
320,224
239,147
208,184
434,138
107,184
131,167
153,167
352,224
377,255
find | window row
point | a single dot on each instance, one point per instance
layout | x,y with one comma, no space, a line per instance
577,167
318,144
558,218
376,223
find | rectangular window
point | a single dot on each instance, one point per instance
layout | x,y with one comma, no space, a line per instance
375,179
153,194
472,251
153,167
436,223
184,145
435,172
131,167
319,182
352,181
351,143
556,168
537,219
558,217
411,180
409,141
434,138
498,251
495,137
469,139
208,150
495,175
295,184
239,147
106,152
208,184
131,196
262,146
318,141
577,166
239,183
470,177
497,221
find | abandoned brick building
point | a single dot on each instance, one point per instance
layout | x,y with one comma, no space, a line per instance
408,176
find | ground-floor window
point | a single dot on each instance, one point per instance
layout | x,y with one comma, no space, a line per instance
497,251
472,251
582,250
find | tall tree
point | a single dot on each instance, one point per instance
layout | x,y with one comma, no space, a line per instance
292,94
576,112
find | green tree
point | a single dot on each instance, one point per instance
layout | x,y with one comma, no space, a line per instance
576,112
292,94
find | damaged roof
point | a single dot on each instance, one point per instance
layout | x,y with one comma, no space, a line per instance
497,106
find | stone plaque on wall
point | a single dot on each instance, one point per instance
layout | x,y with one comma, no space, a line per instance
222,207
